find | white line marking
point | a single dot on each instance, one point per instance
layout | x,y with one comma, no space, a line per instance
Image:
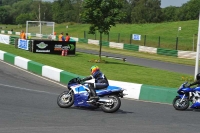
27,89
33,74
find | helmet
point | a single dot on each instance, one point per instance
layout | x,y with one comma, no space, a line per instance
198,76
94,68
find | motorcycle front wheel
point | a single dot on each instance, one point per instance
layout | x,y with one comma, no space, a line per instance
180,105
112,106
65,99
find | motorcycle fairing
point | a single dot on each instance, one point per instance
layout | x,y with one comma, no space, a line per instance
196,105
185,90
108,90
181,96
197,89
81,95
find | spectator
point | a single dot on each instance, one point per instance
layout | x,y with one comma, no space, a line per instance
61,37
54,33
22,35
67,37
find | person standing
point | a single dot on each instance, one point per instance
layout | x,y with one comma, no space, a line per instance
67,37
61,37
54,33
22,35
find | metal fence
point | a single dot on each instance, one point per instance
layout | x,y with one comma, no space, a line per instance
168,42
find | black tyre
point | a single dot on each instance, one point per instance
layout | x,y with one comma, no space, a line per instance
113,106
180,105
65,99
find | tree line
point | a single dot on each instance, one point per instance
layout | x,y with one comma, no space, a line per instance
60,11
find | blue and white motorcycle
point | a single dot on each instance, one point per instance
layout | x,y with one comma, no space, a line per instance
187,95
78,95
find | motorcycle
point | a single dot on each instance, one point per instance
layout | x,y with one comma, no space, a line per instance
78,94
187,95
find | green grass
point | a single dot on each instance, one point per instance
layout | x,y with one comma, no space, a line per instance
167,31
113,69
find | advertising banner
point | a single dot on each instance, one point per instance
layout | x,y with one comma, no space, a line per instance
53,47
136,37
4,39
23,44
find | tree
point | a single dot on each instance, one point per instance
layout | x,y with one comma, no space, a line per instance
77,4
102,14
170,13
189,10
22,18
62,10
3,15
147,11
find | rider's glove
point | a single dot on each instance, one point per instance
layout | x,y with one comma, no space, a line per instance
80,80
188,85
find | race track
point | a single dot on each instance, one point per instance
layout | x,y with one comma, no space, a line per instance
179,68
28,105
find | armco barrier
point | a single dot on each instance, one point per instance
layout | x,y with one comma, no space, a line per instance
167,52
35,67
10,58
83,40
157,94
131,47
104,43
12,40
187,54
145,49
66,76
21,62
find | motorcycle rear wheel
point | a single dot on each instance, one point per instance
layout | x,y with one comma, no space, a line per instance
65,99
180,106
115,105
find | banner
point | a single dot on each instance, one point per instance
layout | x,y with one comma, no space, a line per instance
4,39
54,47
136,37
23,44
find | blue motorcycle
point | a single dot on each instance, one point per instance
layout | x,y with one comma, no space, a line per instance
187,95
78,95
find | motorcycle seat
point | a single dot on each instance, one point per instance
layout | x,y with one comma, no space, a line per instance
102,88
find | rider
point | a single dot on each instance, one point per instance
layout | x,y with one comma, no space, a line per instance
197,82
100,81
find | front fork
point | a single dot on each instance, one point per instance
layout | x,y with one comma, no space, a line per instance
182,98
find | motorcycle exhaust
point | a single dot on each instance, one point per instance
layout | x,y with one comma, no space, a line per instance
104,100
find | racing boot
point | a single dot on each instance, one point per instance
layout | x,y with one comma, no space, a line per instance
93,99
93,94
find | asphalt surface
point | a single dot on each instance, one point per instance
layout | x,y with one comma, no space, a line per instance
179,68
28,105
